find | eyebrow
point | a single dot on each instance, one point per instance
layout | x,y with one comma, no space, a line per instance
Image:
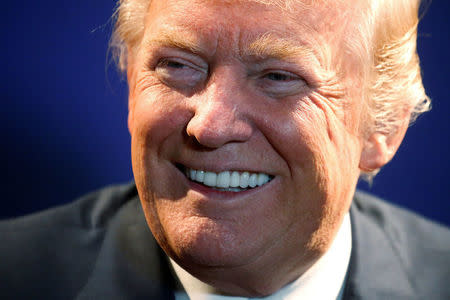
271,46
176,39
263,47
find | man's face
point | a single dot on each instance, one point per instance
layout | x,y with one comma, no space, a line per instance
251,90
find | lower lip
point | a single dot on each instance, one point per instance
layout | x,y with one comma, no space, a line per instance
205,189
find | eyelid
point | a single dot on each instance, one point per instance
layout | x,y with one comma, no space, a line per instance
283,72
296,68
181,61
294,84
160,53
179,73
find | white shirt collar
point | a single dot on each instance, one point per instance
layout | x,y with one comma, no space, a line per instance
324,280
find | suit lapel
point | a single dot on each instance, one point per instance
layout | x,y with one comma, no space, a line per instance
130,264
375,270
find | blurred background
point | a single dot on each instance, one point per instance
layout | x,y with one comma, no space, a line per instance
64,111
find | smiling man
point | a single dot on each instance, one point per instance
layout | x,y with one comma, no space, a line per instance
221,100
251,123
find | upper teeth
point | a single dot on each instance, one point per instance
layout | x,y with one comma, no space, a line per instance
228,179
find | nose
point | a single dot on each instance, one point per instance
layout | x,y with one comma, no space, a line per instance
220,116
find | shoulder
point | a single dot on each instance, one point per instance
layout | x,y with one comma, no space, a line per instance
90,213
402,225
419,246
38,249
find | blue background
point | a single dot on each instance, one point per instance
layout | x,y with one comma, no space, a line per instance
64,111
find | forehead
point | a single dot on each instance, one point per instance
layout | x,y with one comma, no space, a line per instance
317,17
315,24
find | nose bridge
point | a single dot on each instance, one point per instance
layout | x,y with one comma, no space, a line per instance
220,103
219,113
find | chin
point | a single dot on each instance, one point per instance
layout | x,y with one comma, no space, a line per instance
206,242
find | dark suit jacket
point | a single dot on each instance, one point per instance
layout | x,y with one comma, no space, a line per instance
100,247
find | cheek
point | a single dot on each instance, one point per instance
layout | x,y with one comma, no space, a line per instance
157,120
321,152
323,158
156,116
336,151
298,135
328,131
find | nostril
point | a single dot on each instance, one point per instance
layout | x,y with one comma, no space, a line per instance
195,144
216,123
211,135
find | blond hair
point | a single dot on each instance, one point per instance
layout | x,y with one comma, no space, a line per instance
394,83
385,44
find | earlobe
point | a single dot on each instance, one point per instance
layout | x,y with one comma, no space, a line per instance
375,153
380,148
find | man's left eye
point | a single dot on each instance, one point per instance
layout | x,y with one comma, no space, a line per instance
280,84
275,76
173,64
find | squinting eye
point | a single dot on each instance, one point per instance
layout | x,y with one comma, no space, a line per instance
174,64
179,73
279,83
279,77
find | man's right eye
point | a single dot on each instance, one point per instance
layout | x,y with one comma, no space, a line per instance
180,74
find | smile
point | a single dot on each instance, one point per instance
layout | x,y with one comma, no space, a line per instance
232,181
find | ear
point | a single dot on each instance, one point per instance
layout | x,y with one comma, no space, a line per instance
380,148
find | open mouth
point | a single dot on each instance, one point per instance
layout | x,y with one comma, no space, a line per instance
228,181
